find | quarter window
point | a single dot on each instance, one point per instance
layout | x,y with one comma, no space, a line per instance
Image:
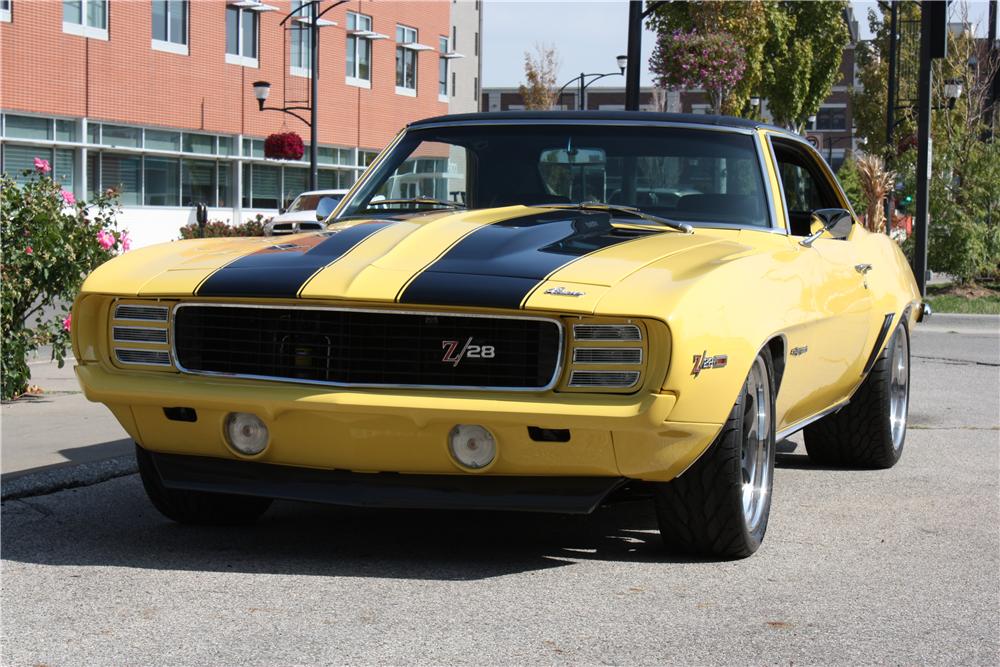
241,36
359,49
170,25
406,60
87,18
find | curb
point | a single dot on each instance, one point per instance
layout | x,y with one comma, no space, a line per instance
60,478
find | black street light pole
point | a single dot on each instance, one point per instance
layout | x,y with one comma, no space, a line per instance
584,84
261,89
890,103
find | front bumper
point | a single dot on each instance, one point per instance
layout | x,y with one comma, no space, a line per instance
370,431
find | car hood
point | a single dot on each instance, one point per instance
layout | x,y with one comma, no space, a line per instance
511,257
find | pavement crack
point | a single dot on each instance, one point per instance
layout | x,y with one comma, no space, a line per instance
959,362
41,509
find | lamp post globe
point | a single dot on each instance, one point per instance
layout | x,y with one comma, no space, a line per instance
261,89
622,63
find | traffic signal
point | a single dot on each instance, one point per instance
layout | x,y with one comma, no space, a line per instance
903,203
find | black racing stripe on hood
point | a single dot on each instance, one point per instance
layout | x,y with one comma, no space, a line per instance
283,269
499,264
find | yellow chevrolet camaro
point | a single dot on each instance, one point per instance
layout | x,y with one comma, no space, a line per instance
523,311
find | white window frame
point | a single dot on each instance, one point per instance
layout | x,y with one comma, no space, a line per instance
356,80
84,30
5,10
239,58
173,47
401,47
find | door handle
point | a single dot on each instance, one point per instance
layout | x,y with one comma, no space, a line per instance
862,268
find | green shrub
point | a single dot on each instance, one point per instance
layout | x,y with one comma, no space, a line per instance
219,228
50,243
850,180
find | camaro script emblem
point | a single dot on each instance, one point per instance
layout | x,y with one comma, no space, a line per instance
562,291
468,351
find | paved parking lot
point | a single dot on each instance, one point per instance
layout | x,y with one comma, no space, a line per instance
896,566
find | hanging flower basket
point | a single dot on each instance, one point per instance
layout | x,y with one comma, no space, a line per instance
284,146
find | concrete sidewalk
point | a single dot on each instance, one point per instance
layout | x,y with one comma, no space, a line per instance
45,437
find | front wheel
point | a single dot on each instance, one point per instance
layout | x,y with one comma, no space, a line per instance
869,432
720,506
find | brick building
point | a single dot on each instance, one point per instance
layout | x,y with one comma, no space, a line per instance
155,97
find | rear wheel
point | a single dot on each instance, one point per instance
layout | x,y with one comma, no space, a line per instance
196,507
869,432
720,506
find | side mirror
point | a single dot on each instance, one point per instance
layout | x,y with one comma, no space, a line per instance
835,221
281,210
324,208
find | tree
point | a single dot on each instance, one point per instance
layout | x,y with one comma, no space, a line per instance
792,50
540,72
713,62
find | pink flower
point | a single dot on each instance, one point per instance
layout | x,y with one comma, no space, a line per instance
125,240
106,239
29,251
68,322
42,166
68,197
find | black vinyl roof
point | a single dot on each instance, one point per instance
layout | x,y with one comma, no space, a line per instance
647,116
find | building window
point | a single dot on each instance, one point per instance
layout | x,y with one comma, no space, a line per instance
87,18
162,181
406,61
359,50
443,69
476,51
475,89
27,127
5,11
301,40
831,118
241,37
170,26
124,174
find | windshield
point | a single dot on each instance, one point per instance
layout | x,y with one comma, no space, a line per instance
309,202
704,177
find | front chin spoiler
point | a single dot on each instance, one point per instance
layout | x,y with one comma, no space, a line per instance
568,495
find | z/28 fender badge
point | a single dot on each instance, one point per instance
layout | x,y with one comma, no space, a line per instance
562,291
704,362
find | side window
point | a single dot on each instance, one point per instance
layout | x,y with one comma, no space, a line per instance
806,188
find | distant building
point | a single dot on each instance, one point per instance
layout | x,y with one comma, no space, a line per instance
155,99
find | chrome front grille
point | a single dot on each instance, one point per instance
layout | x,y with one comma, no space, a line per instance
146,357
611,379
606,332
138,335
144,313
607,355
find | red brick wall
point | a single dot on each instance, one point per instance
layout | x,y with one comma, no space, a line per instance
47,71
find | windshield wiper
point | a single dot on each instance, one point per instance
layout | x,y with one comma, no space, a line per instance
628,210
426,201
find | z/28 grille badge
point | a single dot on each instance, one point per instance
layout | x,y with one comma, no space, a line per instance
468,351
704,362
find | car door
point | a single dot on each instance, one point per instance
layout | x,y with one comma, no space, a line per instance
833,339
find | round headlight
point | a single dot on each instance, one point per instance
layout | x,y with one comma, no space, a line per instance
472,446
246,433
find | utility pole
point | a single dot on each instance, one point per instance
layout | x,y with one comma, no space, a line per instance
933,44
994,43
634,55
890,106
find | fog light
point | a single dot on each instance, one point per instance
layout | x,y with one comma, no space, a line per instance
472,445
246,433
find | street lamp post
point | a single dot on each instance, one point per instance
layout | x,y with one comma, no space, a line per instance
584,84
261,89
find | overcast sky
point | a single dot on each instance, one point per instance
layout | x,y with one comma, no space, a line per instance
588,35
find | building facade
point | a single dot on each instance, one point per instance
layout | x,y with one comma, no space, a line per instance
155,97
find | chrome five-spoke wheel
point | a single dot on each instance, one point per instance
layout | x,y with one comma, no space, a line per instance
757,444
899,388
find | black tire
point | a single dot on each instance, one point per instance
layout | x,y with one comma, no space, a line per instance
860,434
701,512
197,507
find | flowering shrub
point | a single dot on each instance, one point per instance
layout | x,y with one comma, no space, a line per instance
284,146
48,250
714,61
218,228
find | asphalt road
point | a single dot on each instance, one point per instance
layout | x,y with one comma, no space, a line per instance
898,566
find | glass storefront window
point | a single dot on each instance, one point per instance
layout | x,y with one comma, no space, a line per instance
162,140
295,183
198,182
124,137
226,145
226,189
93,134
124,174
264,186
162,180
64,168
65,130
18,158
199,143
28,127
93,175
